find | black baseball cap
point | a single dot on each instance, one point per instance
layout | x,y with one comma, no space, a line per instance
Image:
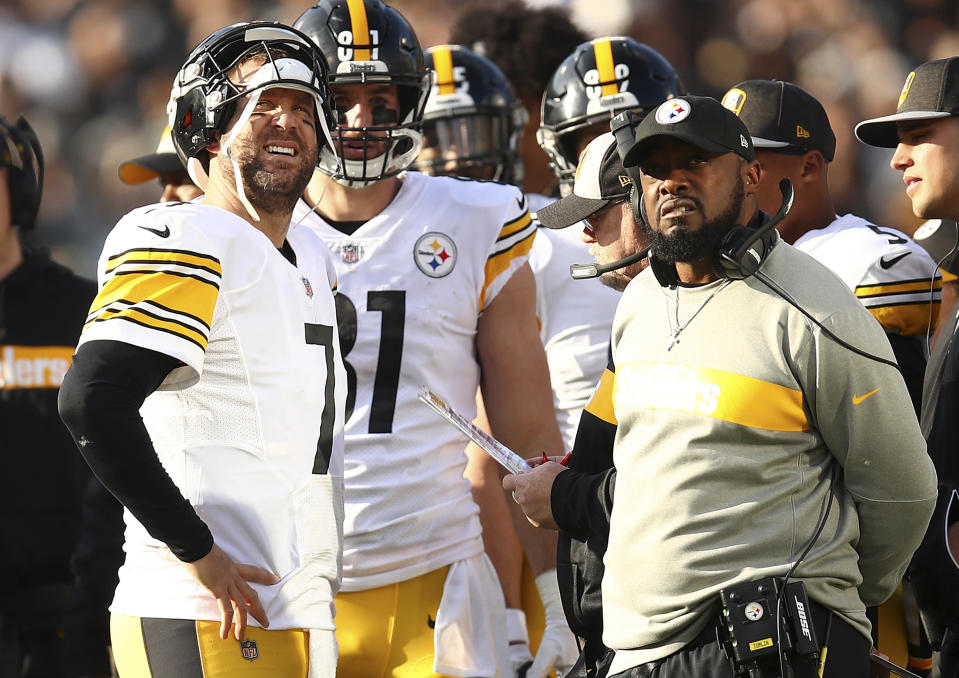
147,167
700,121
782,117
931,91
600,180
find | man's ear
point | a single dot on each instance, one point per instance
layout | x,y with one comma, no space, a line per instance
752,173
813,166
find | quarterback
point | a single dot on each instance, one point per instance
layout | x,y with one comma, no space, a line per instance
434,289
207,392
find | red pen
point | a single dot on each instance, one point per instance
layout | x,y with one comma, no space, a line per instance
564,461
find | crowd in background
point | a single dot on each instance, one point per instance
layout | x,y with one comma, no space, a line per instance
93,77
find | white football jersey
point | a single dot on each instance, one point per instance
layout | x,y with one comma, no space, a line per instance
575,318
413,281
251,427
892,276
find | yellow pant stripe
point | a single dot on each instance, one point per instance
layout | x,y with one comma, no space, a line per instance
386,632
261,654
129,651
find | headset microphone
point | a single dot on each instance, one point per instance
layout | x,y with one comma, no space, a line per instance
584,271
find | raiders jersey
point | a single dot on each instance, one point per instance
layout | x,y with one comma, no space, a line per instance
413,281
575,318
892,276
250,428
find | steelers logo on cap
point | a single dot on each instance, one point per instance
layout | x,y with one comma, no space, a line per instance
672,111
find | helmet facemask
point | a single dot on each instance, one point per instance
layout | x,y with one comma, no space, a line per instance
206,91
398,132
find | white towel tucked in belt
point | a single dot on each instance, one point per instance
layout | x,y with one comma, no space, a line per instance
470,634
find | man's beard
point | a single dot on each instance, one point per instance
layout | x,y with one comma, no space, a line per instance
266,190
687,246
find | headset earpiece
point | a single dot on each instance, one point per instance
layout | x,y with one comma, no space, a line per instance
738,258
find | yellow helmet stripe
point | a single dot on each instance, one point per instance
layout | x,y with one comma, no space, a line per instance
443,65
603,51
361,30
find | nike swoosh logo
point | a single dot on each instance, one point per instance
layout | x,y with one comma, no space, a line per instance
430,621
858,399
165,233
889,263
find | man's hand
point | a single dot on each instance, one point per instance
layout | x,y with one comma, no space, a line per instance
227,581
557,649
520,658
531,490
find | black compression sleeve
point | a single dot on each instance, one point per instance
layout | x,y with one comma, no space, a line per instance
100,399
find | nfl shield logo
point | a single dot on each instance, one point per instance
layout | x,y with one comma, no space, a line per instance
308,286
351,253
248,647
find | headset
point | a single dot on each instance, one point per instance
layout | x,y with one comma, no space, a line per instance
739,255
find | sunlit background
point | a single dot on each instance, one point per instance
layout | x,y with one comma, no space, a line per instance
93,78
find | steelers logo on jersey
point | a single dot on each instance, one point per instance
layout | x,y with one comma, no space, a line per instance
435,254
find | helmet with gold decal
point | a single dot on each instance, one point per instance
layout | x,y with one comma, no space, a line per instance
368,42
473,121
598,80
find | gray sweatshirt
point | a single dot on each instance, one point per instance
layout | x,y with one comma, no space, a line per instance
725,446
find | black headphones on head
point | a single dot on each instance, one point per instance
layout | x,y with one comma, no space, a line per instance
742,250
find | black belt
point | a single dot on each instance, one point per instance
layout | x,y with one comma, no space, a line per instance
822,620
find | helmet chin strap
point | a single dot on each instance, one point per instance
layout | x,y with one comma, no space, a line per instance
226,147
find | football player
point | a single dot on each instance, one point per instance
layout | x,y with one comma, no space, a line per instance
434,289
472,127
215,321
598,80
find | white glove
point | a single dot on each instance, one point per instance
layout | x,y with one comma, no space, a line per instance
520,658
557,650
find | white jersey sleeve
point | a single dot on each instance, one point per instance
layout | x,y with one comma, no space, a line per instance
893,277
159,280
510,250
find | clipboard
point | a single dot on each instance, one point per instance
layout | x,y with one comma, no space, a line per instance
508,459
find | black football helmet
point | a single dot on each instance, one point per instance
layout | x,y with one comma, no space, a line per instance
599,79
21,154
473,120
204,98
367,42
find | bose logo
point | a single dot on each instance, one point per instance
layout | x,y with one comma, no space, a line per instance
801,610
